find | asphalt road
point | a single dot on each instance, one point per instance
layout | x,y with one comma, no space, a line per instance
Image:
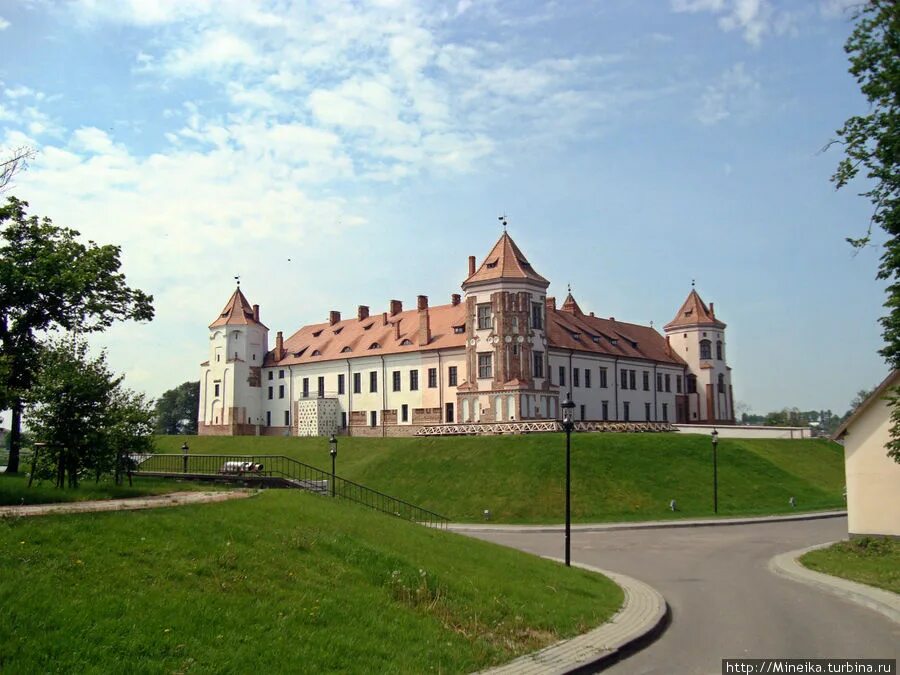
724,601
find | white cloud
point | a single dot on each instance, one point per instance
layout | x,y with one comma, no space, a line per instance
213,50
734,93
4,24
754,19
839,8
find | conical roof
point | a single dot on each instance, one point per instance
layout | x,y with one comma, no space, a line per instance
237,311
694,312
505,261
570,305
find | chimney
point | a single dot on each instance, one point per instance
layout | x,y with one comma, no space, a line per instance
384,321
422,302
362,313
612,318
668,344
396,307
256,313
550,302
454,299
333,317
712,309
279,346
397,330
471,265
592,314
424,327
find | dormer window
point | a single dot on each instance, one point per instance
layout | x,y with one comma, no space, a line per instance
406,342
595,338
374,345
317,333
576,336
491,265
459,329
345,350
301,352
368,326
337,331
316,353
613,341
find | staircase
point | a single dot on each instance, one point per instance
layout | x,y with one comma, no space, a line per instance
281,472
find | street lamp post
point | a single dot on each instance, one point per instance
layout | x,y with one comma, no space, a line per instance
715,445
568,425
184,455
332,445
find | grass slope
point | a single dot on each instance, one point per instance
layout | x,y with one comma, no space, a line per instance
283,582
871,561
614,476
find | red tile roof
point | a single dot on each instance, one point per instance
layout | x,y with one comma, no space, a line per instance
237,311
694,312
505,261
571,306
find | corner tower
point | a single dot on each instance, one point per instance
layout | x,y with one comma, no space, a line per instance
506,340
231,380
697,336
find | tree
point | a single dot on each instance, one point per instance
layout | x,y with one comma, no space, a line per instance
871,143
17,161
177,409
50,280
88,422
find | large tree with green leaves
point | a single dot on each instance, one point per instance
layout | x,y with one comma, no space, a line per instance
177,409
871,144
88,423
49,280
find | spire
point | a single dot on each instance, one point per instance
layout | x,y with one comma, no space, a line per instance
505,261
570,305
237,311
694,312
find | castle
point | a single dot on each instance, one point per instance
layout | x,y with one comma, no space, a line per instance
501,351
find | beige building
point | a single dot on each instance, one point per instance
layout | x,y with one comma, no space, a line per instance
873,478
501,351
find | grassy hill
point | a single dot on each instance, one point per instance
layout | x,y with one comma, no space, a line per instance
283,582
521,479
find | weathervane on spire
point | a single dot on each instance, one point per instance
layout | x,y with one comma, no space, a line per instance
238,280
569,286
503,222
693,281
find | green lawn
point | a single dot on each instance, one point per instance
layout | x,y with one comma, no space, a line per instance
521,479
282,582
14,490
868,560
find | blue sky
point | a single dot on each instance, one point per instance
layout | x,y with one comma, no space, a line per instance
336,154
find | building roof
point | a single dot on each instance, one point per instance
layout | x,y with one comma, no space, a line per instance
580,332
571,306
694,312
880,392
505,261
375,335
237,312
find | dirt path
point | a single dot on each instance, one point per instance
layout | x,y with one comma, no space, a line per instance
153,502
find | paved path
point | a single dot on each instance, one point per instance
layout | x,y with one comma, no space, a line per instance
725,602
130,504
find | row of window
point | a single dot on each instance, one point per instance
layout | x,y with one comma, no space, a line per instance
483,317
706,350
452,381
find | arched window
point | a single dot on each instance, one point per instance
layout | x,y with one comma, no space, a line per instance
719,350
345,350
374,345
721,384
316,353
405,343
705,349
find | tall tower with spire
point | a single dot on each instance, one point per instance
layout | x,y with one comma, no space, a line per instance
506,368
698,337
231,380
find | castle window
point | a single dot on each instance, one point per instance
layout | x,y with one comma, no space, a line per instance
406,342
373,381
316,353
665,412
719,350
576,377
678,384
216,389
374,345
321,384
305,387
451,376
631,378
271,375
668,382
647,411
271,391
492,264
692,384
459,329
346,350
484,317
395,376
484,365
538,364
576,336
536,316
646,380
721,384
280,391
562,376
414,380
624,378
587,378
432,378
287,418
341,385
357,383
659,382
404,413
626,411
281,374
595,338
705,349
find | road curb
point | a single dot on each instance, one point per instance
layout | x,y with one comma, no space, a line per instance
651,525
129,504
643,617
876,599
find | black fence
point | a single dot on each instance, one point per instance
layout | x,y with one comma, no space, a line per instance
281,471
